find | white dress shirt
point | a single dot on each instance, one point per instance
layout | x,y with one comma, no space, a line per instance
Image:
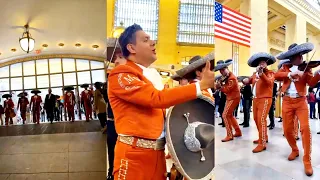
292,88
254,90
209,90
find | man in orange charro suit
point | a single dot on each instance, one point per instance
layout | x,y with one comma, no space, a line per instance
35,105
86,98
294,102
69,102
138,99
262,84
228,84
22,104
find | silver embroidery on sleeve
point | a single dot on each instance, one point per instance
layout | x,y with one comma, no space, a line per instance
190,139
129,79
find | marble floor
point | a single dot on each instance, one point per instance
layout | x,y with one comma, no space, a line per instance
65,156
235,160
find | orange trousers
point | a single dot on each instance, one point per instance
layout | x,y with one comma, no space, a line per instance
229,120
134,163
296,127
261,109
292,107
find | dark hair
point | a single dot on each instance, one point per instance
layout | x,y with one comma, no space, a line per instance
128,37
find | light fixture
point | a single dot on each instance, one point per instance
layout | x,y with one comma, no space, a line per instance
26,42
163,73
60,45
117,31
78,45
95,47
44,46
13,50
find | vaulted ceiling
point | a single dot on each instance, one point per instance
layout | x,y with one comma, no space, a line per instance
52,22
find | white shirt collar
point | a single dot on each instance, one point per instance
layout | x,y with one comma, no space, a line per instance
153,76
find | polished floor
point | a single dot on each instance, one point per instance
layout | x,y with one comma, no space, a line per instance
63,156
235,160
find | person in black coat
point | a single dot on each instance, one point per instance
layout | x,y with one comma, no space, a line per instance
49,105
272,108
247,103
222,103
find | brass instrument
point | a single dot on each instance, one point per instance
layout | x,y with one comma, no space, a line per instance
222,81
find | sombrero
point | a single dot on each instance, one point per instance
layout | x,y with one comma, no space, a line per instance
35,91
190,138
111,49
285,61
84,85
98,84
255,59
195,63
6,96
68,88
222,64
295,49
241,78
176,77
20,94
57,97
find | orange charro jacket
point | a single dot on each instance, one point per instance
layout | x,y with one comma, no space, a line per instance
204,92
231,88
139,108
306,79
264,86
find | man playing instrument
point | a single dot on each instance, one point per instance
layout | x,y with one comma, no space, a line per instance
262,83
23,103
139,100
228,84
294,102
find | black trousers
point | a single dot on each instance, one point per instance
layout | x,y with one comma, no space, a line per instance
318,102
271,111
50,114
221,109
312,109
247,103
103,119
111,143
235,112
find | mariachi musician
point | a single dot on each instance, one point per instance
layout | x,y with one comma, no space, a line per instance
69,102
138,100
23,103
35,104
86,99
262,84
8,109
228,84
296,76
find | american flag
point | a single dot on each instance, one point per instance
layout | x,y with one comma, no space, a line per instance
232,26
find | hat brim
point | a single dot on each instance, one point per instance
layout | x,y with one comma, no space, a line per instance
285,61
299,49
69,88
25,94
84,86
187,72
6,95
35,92
221,66
176,77
255,59
188,163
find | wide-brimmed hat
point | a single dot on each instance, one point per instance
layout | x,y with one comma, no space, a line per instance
195,63
222,64
295,49
113,48
68,88
285,61
98,84
241,78
6,96
176,77
22,93
190,138
255,59
36,91
84,85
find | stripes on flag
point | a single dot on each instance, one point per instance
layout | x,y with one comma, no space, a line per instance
232,26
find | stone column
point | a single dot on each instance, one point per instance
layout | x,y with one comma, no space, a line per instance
296,31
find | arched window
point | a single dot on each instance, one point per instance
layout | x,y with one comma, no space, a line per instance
142,12
196,22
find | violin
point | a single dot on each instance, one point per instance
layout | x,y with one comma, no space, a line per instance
308,65
174,174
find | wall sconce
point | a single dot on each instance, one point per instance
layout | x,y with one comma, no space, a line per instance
44,46
117,31
95,47
60,45
13,50
163,73
78,45
26,41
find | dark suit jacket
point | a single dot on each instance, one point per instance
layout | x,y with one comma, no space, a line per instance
49,103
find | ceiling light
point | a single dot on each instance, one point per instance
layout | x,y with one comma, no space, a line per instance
95,47
13,50
60,45
26,41
78,45
163,73
44,45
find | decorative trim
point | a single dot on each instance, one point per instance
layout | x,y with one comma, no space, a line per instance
50,56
